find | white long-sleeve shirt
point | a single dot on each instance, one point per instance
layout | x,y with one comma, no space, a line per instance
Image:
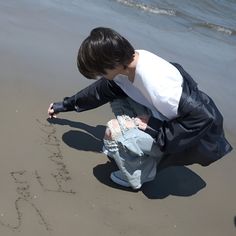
157,85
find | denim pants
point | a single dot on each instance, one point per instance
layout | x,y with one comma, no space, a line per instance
134,151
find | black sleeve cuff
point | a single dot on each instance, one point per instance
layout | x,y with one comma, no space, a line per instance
151,132
154,123
58,107
153,126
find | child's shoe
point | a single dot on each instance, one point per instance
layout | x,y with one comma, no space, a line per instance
119,178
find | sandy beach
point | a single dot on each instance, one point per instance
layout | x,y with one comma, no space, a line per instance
54,179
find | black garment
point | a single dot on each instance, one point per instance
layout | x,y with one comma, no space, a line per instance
95,95
195,136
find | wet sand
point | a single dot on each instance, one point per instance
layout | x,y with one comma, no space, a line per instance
53,178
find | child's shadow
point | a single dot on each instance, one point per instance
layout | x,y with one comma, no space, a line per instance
178,181
90,140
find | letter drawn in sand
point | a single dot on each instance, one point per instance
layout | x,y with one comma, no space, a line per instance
61,174
24,197
22,179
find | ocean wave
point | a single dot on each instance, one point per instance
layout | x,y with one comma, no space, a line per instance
147,8
188,18
218,28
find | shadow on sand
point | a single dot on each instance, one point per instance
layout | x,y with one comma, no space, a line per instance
90,139
177,181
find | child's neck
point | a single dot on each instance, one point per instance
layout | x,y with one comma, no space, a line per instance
130,70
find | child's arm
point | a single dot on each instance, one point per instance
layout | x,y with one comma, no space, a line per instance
177,134
95,95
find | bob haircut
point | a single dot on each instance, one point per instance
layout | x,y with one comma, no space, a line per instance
103,49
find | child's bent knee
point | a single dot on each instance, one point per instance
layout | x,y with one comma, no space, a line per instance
107,135
114,127
113,130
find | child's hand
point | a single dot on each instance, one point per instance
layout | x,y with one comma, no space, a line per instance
51,112
142,121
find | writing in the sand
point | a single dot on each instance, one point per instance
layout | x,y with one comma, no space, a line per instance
61,174
24,178
24,196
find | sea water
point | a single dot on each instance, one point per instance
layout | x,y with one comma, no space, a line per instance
214,18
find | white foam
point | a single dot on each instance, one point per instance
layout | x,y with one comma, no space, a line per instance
147,8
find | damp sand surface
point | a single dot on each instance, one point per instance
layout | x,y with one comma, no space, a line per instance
54,179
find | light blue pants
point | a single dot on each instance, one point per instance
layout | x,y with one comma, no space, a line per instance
134,151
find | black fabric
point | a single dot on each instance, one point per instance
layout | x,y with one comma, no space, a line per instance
97,94
154,123
58,107
152,132
198,127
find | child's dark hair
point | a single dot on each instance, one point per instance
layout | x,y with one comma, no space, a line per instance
103,49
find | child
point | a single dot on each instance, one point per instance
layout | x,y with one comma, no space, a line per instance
162,118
